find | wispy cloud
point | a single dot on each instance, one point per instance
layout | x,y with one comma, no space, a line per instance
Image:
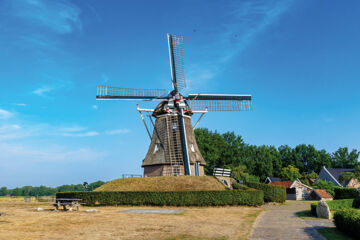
118,131
42,91
20,104
83,134
4,115
95,107
248,19
16,153
58,16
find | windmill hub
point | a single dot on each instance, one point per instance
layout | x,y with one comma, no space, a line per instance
173,149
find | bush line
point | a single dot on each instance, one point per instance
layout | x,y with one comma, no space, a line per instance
250,197
348,221
345,193
271,193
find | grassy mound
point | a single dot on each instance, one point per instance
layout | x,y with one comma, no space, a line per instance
179,183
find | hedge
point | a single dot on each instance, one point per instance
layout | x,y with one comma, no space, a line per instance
250,197
348,221
334,205
271,193
345,193
356,203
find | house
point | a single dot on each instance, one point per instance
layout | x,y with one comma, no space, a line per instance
272,179
354,183
333,174
295,190
320,194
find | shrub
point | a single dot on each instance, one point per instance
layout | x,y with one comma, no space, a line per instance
356,203
271,193
345,193
250,197
334,205
238,186
348,221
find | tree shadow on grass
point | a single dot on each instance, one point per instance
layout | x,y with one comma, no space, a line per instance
333,234
307,215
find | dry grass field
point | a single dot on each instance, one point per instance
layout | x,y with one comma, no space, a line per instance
21,221
168,183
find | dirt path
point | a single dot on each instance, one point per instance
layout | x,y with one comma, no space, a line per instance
280,222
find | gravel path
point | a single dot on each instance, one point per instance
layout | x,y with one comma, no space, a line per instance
280,222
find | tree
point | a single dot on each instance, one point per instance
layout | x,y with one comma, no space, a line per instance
328,186
346,176
343,159
290,173
306,177
240,173
3,191
94,185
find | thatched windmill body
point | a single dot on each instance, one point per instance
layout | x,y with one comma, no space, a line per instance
173,149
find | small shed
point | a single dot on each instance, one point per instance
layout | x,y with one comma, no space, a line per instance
320,194
295,190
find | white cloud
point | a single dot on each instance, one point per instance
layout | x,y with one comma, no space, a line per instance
73,129
248,19
84,134
96,107
104,78
118,131
4,115
61,17
18,153
20,104
42,91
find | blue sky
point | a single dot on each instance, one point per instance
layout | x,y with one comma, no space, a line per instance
299,59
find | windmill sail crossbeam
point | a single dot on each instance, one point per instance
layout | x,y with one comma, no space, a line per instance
116,93
220,105
238,97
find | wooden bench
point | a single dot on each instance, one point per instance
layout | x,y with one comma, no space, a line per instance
71,202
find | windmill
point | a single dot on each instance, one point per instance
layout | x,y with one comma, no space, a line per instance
173,149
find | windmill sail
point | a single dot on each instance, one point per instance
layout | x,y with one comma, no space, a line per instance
116,93
176,52
219,102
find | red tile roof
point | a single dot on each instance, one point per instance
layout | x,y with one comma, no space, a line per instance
286,184
323,193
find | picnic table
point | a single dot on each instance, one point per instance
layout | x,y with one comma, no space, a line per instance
71,202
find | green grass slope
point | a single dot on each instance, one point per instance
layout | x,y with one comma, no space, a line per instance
179,183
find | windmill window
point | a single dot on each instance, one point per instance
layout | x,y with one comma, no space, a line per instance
156,149
192,147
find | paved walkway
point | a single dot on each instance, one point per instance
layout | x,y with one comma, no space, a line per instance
280,222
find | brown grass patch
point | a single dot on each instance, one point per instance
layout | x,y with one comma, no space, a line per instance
179,183
22,221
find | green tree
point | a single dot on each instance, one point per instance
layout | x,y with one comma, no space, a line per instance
240,173
346,176
307,177
328,186
290,173
3,191
343,159
95,185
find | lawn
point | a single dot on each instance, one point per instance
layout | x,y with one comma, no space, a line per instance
307,215
21,221
163,183
333,234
